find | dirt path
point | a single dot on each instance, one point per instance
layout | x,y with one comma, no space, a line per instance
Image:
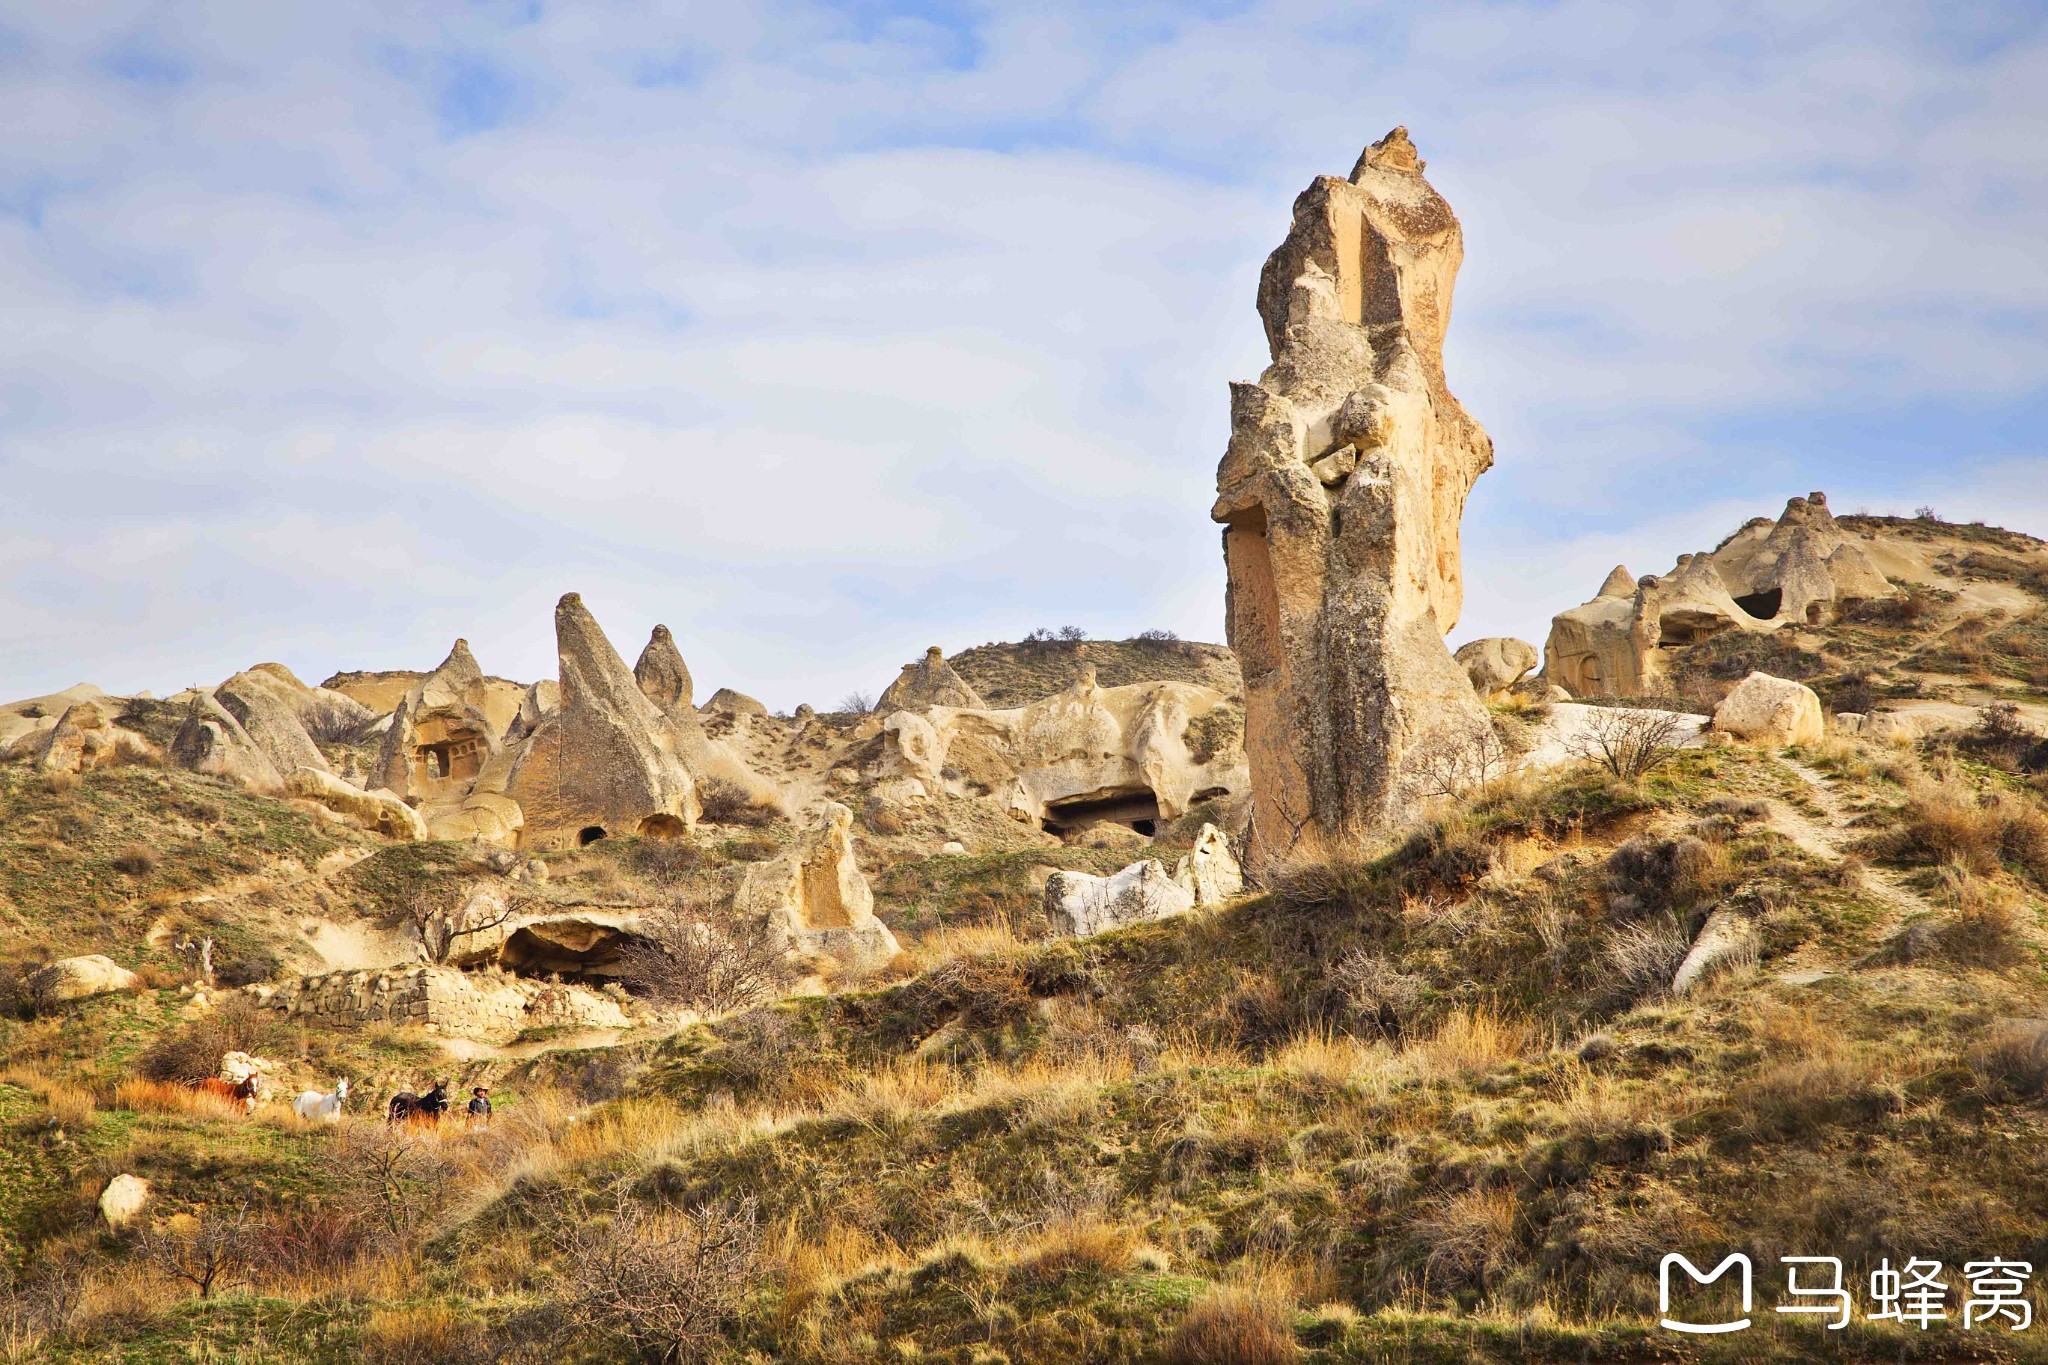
1830,841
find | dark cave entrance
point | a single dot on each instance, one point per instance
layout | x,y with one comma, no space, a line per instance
589,835
1764,606
1136,809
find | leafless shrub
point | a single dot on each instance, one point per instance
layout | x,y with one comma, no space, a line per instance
705,957
1641,958
1381,995
1628,743
393,1176
856,703
728,803
135,861
1448,762
441,928
26,990
194,1051
664,1282
1468,1238
214,1251
336,720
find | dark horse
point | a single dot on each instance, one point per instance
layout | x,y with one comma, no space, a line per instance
407,1107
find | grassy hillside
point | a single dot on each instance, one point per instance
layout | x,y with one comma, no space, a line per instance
1029,670
1435,1104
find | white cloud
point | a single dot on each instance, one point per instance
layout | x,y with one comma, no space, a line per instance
826,341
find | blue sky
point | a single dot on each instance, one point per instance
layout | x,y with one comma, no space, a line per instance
823,333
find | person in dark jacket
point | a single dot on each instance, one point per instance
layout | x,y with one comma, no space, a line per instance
480,1107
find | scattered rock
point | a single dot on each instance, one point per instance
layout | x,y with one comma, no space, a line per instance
1727,940
1210,872
1495,664
1770,711
1080,904
78,978
123,1198
379,811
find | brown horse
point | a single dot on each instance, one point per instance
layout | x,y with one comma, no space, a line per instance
241,1092
407,1107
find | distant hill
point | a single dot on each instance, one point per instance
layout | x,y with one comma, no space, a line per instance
1020,673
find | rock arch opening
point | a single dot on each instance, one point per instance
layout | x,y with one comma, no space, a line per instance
1765,605
571,949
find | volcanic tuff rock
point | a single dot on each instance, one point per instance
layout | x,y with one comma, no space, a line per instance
1496,664
819,898
1080,904
441,734
1343,585
929,682
605,761
1792,572
271,704
380,810
1771,711
213,742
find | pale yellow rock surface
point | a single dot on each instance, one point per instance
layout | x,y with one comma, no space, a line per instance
77,978
1795,571
1340,595
820,898
929,682
441,735
1771,711
1080,904
379,811
1210,872
1496,664
122,1199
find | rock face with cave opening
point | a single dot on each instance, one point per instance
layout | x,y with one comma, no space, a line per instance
606,760
1341,495
1795,571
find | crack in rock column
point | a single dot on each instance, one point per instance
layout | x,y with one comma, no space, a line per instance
1341,494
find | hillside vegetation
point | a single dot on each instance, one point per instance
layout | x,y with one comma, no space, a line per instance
1029,670
1432,1103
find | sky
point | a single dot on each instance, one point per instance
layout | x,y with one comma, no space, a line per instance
823,333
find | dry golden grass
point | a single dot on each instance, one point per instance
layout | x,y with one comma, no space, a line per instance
1332,1058
169,1097
962,941
1236,1324
70,1105
1470,1040
423,1334
1468,1237
1073,1244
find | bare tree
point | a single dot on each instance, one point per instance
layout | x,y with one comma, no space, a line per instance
1627,742
440,929
212,1252
704,957
856,703
664,1282
1448,762
334,720
394,1174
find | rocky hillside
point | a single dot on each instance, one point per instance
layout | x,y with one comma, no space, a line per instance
1449,1101
1958,621
1030,670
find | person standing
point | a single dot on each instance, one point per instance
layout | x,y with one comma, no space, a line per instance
480,1107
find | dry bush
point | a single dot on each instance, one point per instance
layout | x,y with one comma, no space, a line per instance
1641,958
393,1176
210,1252
1628,743
336,720
881,819
663,1283
983,992
1448,763
709,958
1470,1040
1798,1099
135,861
26,991
69,1103
724,802
1947,821
193,1052
172,1097
426,1334
1381,997
1235,1325
1079,1244
1649,872
2013,1063
1467,1239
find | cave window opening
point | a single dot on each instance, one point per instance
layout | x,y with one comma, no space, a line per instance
1137,810
1764,606
589,835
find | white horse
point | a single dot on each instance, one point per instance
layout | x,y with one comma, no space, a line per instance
326,1108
